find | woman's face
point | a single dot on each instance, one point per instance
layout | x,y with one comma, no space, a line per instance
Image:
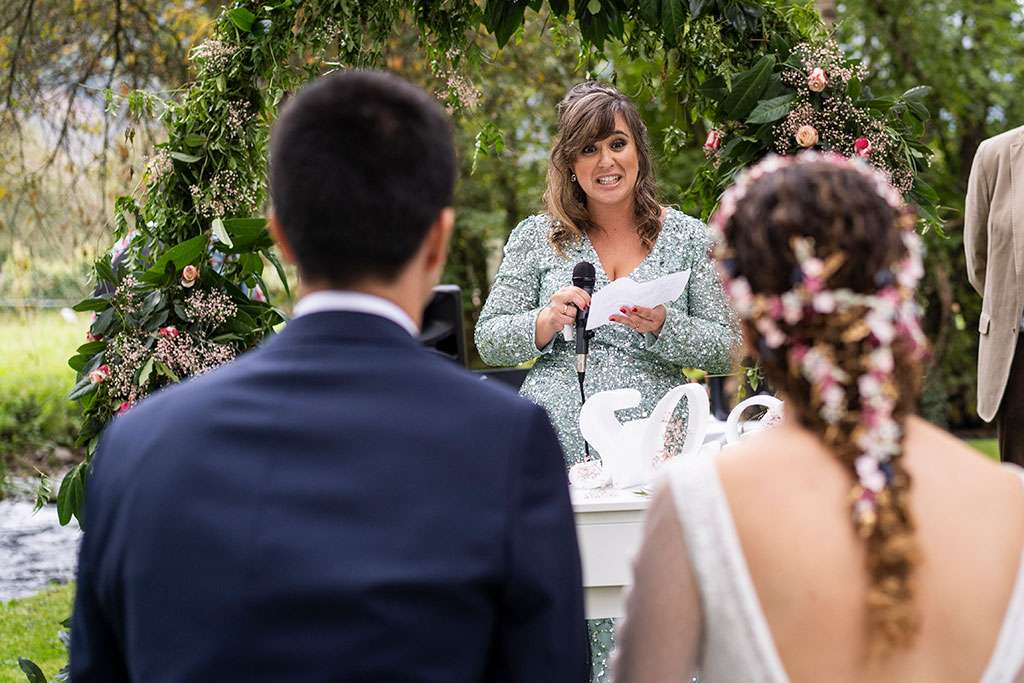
607,169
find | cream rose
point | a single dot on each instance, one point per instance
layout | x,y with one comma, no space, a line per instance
189,275
807,136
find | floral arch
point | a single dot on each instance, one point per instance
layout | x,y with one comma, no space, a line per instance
763,72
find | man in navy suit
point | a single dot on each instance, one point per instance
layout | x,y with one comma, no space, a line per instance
338,505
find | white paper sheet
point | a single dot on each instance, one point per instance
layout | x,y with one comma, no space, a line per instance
625,292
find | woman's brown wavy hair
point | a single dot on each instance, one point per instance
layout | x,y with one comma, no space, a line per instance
843,213
585,115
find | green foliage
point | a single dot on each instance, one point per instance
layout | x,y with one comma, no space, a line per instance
29,626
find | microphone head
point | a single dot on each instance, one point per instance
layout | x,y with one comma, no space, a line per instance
583,276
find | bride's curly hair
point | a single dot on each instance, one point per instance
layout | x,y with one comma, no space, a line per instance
837,217
585,115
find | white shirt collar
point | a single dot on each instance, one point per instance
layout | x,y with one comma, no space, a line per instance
357,302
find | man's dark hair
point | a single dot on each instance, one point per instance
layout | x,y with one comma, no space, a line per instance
361,163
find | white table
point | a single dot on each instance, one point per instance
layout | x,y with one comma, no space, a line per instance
609,525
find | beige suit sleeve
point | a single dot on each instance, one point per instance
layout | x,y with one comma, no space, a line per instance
658,640
979,198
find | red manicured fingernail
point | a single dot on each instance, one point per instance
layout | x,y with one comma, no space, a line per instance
623,309
634,309
611,318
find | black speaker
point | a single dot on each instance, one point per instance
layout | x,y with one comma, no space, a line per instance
443,331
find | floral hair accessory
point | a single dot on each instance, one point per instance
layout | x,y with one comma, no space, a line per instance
889,315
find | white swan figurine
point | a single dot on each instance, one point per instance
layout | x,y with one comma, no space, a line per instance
629,451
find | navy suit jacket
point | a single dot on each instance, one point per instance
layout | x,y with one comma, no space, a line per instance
338,505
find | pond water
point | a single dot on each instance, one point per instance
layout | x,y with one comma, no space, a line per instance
35,550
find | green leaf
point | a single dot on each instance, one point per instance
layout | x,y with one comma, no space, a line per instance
81,388
774,109
217,227
77,362
106,323
272,257
180,255
145,371
502,18
781,45
195,140
715,88
559,7
89,348
251,263
164,370
853,88
882,104
650,12
242,18
99,303
71,496
747,88
918,110
918,93
673,17
104,270
181,156
32,670
697,7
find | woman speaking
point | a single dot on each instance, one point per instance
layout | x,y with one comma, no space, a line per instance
602,207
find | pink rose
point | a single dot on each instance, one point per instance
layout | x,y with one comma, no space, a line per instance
89,336
189,275
99,374
862,146
123,408
817,80
713,141
807,136
169,331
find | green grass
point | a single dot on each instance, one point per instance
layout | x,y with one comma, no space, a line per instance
34,381
989,447
28,628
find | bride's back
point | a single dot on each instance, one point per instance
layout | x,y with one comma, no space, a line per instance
789,500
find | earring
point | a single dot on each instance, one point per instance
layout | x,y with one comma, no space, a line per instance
572,177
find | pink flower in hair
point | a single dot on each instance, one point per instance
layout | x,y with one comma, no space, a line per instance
862,146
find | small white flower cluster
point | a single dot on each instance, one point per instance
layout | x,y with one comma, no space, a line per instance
211,308
460,89
214,56
226,195
239,116
158,167
187,356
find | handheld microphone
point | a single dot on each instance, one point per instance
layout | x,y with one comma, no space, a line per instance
583,276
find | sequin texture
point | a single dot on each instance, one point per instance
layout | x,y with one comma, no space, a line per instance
700,330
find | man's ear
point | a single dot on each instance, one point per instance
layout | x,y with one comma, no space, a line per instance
436,246
278,236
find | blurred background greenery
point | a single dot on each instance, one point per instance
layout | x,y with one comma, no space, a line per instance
67,149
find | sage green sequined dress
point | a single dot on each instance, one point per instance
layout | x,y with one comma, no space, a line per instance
700,331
